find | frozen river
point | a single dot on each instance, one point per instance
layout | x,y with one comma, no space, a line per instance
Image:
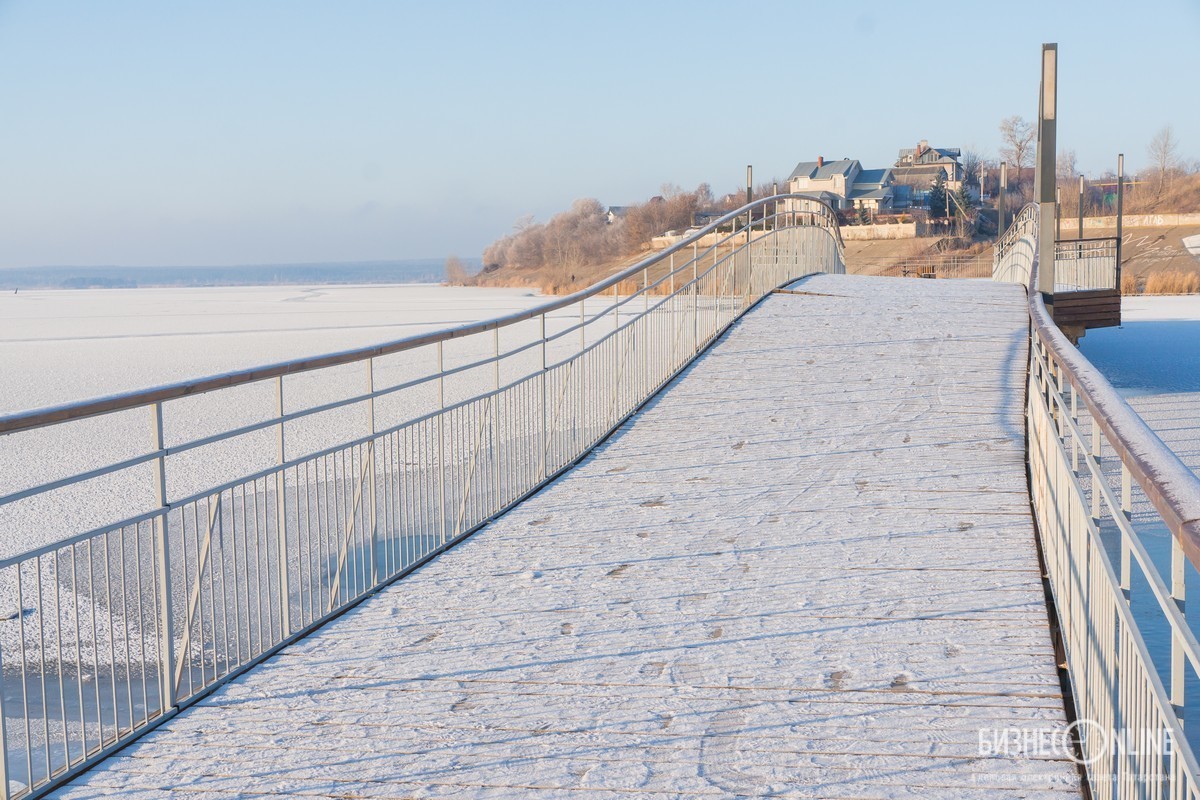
58,346
1154,360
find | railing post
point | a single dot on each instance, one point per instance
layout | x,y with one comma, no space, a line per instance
285,611
166,628
696,300
545,443
644,341
1179,595
581,436
497,493
1127,510
441,432
1097,446
374,477
4,790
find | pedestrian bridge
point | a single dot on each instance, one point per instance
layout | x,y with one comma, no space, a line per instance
730,523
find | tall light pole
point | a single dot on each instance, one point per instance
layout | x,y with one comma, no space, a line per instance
1001,206
1080,206
1120,208
1046,148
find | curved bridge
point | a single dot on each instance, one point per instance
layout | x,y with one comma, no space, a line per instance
807,566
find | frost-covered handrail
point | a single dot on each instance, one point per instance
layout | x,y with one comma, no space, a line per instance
47,416
1087,451
173,537
1169,485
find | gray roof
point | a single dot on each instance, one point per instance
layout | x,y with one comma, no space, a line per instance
920,171
871,194
872,176
943,152
809,169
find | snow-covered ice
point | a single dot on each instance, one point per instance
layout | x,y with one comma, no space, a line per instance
60,346
1153,359
806,569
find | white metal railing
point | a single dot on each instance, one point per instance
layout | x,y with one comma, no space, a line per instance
1118,578
1082,265
263,502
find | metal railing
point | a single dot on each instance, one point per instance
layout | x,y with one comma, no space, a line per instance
1086,264
1118,588
263,502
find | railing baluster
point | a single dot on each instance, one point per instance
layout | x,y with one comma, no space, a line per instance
285,603
166,643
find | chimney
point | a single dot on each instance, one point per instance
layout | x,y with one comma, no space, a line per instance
820,161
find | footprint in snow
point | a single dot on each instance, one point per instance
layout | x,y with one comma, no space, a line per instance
617,572
567,629
716,633
541,521
426,639
837,679
953,650
618,469
740,445
655,503
902,680
652,669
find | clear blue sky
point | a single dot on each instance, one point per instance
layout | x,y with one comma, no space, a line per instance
142,132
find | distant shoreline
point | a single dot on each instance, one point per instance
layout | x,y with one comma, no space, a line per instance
415,271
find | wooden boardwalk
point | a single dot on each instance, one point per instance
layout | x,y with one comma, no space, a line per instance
806,569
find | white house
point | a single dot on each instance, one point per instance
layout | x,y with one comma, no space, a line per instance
843,184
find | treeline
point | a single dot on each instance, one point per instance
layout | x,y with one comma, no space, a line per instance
566,251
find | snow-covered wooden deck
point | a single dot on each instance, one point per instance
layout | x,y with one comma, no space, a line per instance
806,569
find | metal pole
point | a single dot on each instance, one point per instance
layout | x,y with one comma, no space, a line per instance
441,435
285,611
749,199
166,643
1047,129
496,472
1080,206
1120,204
1057,212
1000,201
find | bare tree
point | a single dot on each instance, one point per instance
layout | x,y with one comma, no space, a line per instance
1164,154
1018,137
1065,166
456,272
972,164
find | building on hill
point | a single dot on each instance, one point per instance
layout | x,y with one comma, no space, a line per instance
843,184
917,168
873,190
615,213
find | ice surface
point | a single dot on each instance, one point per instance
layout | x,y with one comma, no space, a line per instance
59,346
1153,359
807,569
